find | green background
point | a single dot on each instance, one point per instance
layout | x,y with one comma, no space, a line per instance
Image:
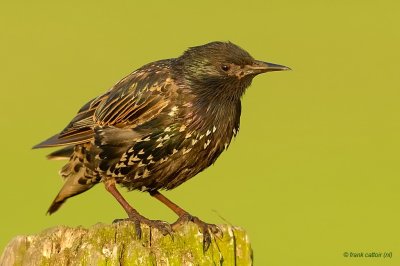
314,171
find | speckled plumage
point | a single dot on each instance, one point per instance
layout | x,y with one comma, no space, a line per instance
160,125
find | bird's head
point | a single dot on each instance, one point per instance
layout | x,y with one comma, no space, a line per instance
222,70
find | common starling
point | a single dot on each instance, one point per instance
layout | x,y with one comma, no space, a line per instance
158,127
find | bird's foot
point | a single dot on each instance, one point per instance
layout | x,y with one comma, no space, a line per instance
137,219
205,228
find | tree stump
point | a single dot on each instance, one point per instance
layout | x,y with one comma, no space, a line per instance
117,244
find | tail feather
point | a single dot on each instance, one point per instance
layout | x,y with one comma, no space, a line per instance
78,178
62,154
55,206
72,187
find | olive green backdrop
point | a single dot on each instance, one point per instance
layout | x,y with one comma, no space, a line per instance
314,171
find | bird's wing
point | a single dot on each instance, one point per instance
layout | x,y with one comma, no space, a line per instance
135,99
79,130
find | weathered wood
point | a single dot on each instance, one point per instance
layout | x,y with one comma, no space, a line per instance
117,244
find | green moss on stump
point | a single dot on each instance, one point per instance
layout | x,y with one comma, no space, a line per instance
117,244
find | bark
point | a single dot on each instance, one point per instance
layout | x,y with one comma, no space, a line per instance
117,244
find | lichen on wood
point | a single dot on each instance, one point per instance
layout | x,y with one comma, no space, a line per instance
117,244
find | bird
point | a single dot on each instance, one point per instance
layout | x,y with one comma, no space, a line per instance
158,127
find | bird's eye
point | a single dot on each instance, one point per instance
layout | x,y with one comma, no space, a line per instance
225,67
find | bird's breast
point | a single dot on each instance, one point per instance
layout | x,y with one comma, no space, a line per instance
175,152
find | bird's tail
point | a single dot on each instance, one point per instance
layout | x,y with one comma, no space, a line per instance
78,178
62,154
72,187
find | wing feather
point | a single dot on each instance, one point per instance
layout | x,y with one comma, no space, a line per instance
135,99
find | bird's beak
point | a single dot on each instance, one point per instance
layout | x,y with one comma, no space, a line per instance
259,67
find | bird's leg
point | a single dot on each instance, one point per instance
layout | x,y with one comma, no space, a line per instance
134,215
185,217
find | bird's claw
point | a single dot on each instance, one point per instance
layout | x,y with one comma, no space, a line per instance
164,227
204,228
